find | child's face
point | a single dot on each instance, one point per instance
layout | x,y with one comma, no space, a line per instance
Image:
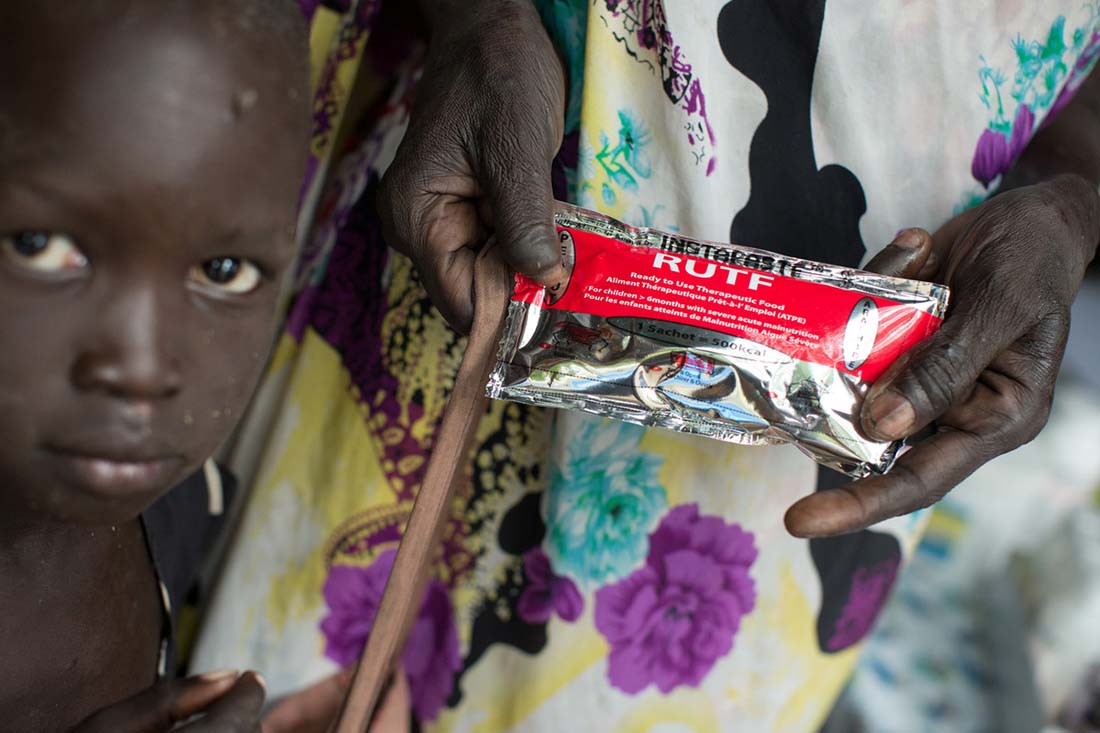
148,179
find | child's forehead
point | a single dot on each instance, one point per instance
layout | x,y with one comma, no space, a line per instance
101,50
80,41
156,77
149,125
165,102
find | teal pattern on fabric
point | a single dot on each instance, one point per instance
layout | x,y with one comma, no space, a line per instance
603,499
625,161
1048,72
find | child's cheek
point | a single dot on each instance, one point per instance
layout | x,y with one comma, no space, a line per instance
223,382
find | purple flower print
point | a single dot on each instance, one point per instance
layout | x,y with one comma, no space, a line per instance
309,7
645,22
990,157
431,657
1022,127
669,622
995,153
869,591
547,593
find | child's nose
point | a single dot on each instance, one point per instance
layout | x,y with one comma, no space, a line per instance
130,354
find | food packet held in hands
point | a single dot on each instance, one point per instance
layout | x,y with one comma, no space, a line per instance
729,342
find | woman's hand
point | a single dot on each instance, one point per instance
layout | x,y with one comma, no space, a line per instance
985,381
225,702
476,158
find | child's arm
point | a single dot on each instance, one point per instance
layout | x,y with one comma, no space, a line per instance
226,701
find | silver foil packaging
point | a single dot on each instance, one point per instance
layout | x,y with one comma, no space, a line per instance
720,340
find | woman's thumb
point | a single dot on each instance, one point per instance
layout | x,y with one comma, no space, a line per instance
523,217
905,257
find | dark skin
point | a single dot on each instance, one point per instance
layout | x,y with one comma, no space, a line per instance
983,385
476,159
149,173
476,162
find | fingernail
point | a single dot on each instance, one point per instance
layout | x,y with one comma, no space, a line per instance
219,675
892,416
908,238
260,680
931,265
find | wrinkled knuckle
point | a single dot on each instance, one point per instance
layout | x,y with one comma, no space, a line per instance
1033,418
498,43
934,380
1057,321
517,152
1042,347
1014,415
1061,199
497,56
520,117
1028,431
999,432
505,152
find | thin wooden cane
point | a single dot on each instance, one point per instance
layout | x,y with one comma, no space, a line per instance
405,588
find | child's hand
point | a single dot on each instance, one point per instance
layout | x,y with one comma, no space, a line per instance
314,709
227,702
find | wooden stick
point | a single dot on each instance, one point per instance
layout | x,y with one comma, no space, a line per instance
405,587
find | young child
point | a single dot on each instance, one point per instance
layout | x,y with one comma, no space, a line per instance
150,157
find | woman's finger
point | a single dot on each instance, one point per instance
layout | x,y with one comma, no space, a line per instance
1006,408
920,478
905,257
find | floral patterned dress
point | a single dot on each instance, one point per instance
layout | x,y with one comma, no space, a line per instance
597,576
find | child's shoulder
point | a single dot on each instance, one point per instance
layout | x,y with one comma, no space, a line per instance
81,625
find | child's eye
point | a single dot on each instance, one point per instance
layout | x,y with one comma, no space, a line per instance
227,274
43,252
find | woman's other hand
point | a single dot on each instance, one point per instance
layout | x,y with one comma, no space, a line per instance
984,383
314,709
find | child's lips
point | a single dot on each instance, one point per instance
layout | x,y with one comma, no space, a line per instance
116,474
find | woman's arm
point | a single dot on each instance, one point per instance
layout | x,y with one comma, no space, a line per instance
1069,144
